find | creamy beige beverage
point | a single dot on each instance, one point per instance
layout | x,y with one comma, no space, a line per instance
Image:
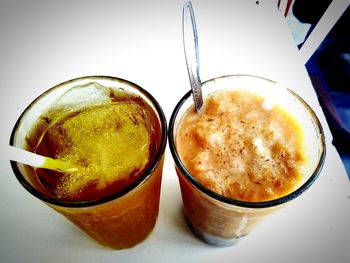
254,147
240,149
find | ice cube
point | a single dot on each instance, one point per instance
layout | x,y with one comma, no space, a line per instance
85,95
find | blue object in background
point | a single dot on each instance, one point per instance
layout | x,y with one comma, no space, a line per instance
329,70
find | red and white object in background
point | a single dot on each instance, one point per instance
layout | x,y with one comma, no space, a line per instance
284,6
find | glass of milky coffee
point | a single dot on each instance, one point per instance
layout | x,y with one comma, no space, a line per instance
113,133
252,148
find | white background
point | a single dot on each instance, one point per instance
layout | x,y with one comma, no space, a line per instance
44,43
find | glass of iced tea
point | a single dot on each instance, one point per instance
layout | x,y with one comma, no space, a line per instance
252,148
113,134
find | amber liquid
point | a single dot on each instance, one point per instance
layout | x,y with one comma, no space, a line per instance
112,144
57,141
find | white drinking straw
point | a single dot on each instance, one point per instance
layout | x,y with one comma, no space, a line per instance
39,161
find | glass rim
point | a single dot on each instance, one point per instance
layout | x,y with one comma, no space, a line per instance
236,202
105,199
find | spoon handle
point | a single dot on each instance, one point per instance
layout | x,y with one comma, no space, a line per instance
190,42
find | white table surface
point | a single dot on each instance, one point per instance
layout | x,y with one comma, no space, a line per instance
44,43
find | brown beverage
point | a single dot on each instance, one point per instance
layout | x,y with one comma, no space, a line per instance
110,145
113,140
254,147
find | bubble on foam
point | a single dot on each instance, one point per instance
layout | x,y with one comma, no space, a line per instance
268,104
260,148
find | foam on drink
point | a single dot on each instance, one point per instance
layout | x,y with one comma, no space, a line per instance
242,146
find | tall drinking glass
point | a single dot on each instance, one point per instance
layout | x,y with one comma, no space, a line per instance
119,218
220,220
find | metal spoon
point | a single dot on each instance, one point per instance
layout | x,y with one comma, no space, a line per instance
190,42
